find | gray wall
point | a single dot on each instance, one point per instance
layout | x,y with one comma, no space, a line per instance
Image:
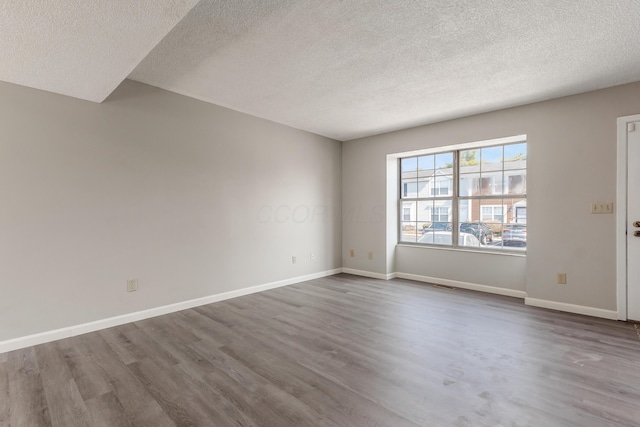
571,162
195,200
190,198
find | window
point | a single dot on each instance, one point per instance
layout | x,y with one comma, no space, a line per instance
467,197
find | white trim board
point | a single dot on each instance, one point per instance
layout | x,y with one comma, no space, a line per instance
534,302
463,285
370,274
572,308
72,331
438,281
621,214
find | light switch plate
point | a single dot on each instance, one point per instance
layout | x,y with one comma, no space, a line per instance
602,207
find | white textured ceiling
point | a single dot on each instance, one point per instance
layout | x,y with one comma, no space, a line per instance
81,48
340,68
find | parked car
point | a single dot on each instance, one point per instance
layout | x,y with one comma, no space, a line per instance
481,230
514,235
438,226
444,238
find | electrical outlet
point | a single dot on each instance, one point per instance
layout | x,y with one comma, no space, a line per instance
312,256
132,285
352,253
562,278
370,255
293,260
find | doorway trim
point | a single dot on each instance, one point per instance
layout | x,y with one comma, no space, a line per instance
621,214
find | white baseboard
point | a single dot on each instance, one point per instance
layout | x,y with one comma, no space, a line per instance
72,331
370,274
463,285
572,308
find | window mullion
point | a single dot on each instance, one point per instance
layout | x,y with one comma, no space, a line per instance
454,202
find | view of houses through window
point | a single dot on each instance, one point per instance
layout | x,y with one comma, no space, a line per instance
472,198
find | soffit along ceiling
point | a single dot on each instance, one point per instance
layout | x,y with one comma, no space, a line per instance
340,68
81,48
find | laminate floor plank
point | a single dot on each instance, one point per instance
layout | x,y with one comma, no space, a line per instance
212,395
121,345
106,410
250,403
5,397
65,403
341,405
166,393
85,372
140,408
204,328
30,407
22,386
336,351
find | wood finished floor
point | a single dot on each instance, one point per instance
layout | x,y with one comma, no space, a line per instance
338,351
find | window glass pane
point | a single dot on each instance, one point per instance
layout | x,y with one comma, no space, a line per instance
436,237
425,176
408,211
515,156
469,185
514,228
516,181
441,211
468,238
469,161
491,183
426,165
425,209
477,218
515,211
486,213
442,186
409,188
491,158
409,165
492,211
498,212
439,230
444,163
422,189
408,232
466,210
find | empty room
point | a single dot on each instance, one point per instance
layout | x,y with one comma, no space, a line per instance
319,213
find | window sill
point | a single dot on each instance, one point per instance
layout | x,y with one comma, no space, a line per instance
522,254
